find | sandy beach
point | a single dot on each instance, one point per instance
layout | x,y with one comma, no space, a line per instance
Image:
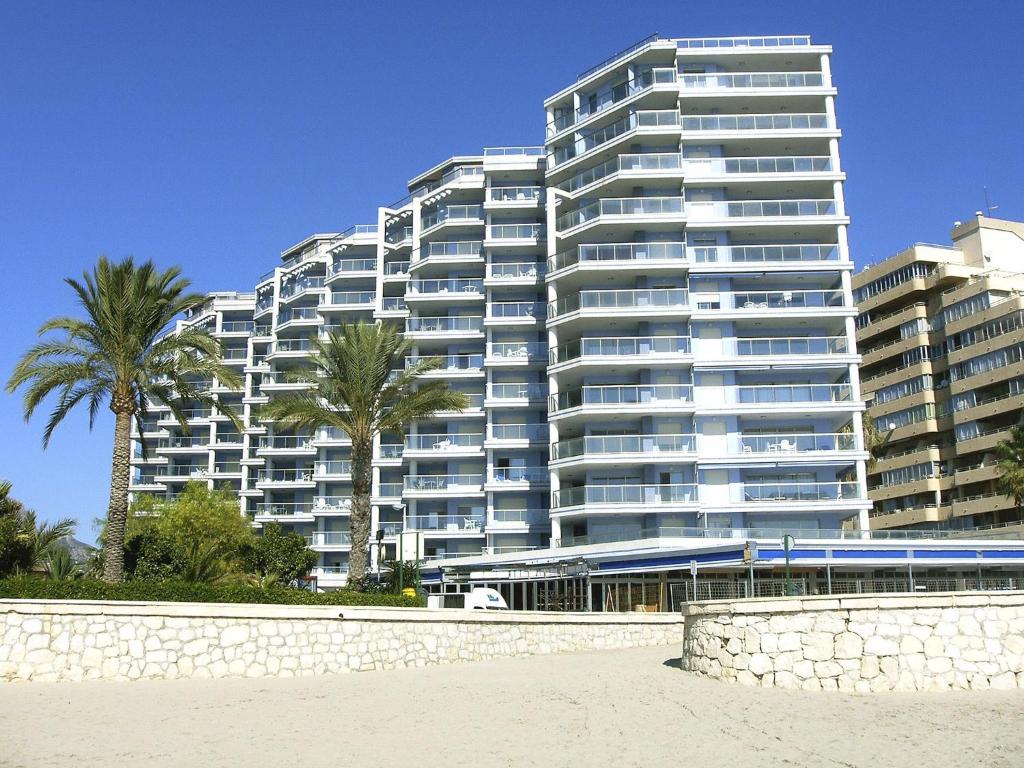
612,708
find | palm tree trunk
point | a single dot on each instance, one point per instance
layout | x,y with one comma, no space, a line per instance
359,522
117,510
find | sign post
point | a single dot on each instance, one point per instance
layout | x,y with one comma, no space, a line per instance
693,573
787,542
750,557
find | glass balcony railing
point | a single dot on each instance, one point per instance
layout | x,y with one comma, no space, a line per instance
301,285
513,310
285,442
399,235
718,166
744,80
290,345
391,450
329,539
227,468
700,43
393,304
756,209
297,313
813,121
619,299
517,350
622,394
792,393
282,509
237,326
468,482
352,298
450,363
396,268
648,119
788,299
674,493
527,516
390,490
452,523
515,194
436,287
809,491
184,441
520,475
513,151
469,213
515,231
635,444
519,431
796,345
298,475
516,270
343,266
338,467
444,324
455,248
188,414
606,98
654,161
183,470
517,391
795,443
625,346
618,252
443,442
621,206
758,254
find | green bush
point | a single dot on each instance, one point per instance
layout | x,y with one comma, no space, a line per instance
31,588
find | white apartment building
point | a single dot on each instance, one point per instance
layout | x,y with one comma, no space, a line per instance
651,314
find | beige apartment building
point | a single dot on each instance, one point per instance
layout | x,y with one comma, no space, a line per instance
941,331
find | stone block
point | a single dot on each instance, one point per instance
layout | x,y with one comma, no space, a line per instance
848,646
818,646
881,646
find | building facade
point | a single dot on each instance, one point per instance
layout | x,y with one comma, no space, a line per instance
651,314
940,330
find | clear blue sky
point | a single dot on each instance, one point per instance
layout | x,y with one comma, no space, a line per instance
213,135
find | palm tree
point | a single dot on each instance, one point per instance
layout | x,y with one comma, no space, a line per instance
60,566
25,544
118,356
1010,455
364,388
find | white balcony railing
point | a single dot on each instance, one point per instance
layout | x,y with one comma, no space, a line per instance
809,491
619,299
759,209
444,324
450,441
620,346
621,206
750,80
618,253
622,395
813,121
647,445
647,495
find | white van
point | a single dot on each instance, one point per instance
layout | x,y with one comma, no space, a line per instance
480,598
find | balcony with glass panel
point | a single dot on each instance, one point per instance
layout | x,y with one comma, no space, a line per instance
518,478
514,197
501,394
329,541
514,313
285,478
393,306
514,273
444,326
446,444
616,257
747,169
338,469
768,125
745,82
613,97
611,449
286,381
595,143
460,290
396,271
449,525
762,211
614,350
756,256
451,366
796,495
398,237
788,446
182,473
301,286
182,444
622,398
791,346
509,520
387,493
443,486
190,415
290,348
626,168
390,454
516,435
290,511
331,506
773,398
617,499
517,353
349,300
442,255
622,210
227,470
669,303
783,303
508,235
453,216
297,316
285,445
235,328
352,268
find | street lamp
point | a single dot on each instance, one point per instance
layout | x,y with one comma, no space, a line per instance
787,542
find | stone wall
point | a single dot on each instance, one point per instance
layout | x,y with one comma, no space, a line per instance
865,643
85,640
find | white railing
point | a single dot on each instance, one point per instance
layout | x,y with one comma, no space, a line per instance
738,80
444,441
515,194
654,495
620,206
443,482
758,209
517,350
653,161
810,491
633,444
812,121
435,287
718,166
791,393
443,324
757,254
618,252
516,270
622,394
619,299
620,346
795,345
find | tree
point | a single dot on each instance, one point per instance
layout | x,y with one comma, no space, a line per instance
1010,455
60,566
364,388
282,556
200,536
24,543
121,356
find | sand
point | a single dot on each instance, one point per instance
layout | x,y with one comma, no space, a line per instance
611,708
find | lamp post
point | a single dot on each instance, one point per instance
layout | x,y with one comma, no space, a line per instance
787,542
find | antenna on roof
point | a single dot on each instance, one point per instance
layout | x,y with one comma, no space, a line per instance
988,205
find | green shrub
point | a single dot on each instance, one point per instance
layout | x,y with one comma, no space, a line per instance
282,556
31,588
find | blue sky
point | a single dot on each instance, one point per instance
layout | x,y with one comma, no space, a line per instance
214,135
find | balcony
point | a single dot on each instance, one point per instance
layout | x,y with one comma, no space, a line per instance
390,491
340,469
758,167
396,270
798,492
641,121
448,524
398,237
516,434
516,393
792,346
393,304
187,414
516,272
451,443
765,210
450,365
790,123
301,286
462,289
453,214
747,81
297,511
639,495
625,397
227,469
285,444
514,234
184,444
290,348
516,353
791,443
349,300
646,301
519,517
611,349
353,268
775,301
618,208
616,447
653,164
443,485
236,327
741,43
514,313
302,477
619,255
776,394
514,197
391,452
297,316
519,477
764,254
609,98
329,540
444,326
